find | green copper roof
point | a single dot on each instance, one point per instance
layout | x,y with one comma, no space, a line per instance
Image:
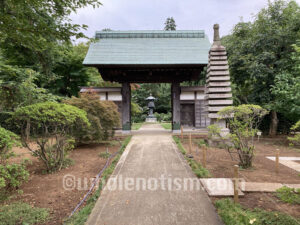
148,48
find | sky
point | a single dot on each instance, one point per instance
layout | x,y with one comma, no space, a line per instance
151,14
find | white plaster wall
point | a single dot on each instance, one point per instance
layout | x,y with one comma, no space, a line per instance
102,96
200,95
189,95
114,96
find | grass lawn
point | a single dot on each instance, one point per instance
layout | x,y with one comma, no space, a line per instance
167,126
235,214
136,126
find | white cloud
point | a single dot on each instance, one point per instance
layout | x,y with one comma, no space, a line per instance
151,14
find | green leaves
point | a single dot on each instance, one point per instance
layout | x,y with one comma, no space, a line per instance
261,59
36,24
243,121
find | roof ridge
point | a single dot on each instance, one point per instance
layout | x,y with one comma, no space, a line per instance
150,34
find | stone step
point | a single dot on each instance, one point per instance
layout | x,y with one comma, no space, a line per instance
218,73
213,96
219,90
219,48
217,68
214,53
216,109
218,78
220,102
217,58
218,84
217,63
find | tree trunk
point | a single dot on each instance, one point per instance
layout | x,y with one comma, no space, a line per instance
273,124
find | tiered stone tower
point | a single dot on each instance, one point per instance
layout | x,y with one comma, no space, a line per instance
218,88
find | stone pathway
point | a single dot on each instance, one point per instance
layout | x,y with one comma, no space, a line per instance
289,162
153,158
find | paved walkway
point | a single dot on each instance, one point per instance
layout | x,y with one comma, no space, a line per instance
152,156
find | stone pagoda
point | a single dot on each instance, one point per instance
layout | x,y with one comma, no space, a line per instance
218,90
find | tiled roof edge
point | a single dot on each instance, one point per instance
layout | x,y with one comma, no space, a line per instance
151,34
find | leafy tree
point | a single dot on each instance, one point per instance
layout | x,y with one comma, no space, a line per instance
103,117
243,121
260,53
51,125
18,88
286,89
170,24
71,72
31,33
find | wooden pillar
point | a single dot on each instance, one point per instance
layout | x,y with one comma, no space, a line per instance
126,106
175,93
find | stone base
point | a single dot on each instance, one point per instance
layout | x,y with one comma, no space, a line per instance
151,120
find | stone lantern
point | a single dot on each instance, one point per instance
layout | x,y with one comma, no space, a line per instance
151,117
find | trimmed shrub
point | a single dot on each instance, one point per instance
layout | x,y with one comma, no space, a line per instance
243,121
103,116
51,126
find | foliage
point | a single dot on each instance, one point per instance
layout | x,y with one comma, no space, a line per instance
234,214
243,121
80,217
18,88
136,112
167,126
286,88
296,139
170,24
289,195
71,72
35,25
104,155
7,141
103,116
22,213
11,175
260,60
136,126
51,125
179,145
197,168
163,116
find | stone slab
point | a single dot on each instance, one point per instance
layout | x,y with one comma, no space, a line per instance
284,158
219,186
260,187
288,161
296,186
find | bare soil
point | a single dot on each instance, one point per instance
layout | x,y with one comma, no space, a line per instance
47,190
220,164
